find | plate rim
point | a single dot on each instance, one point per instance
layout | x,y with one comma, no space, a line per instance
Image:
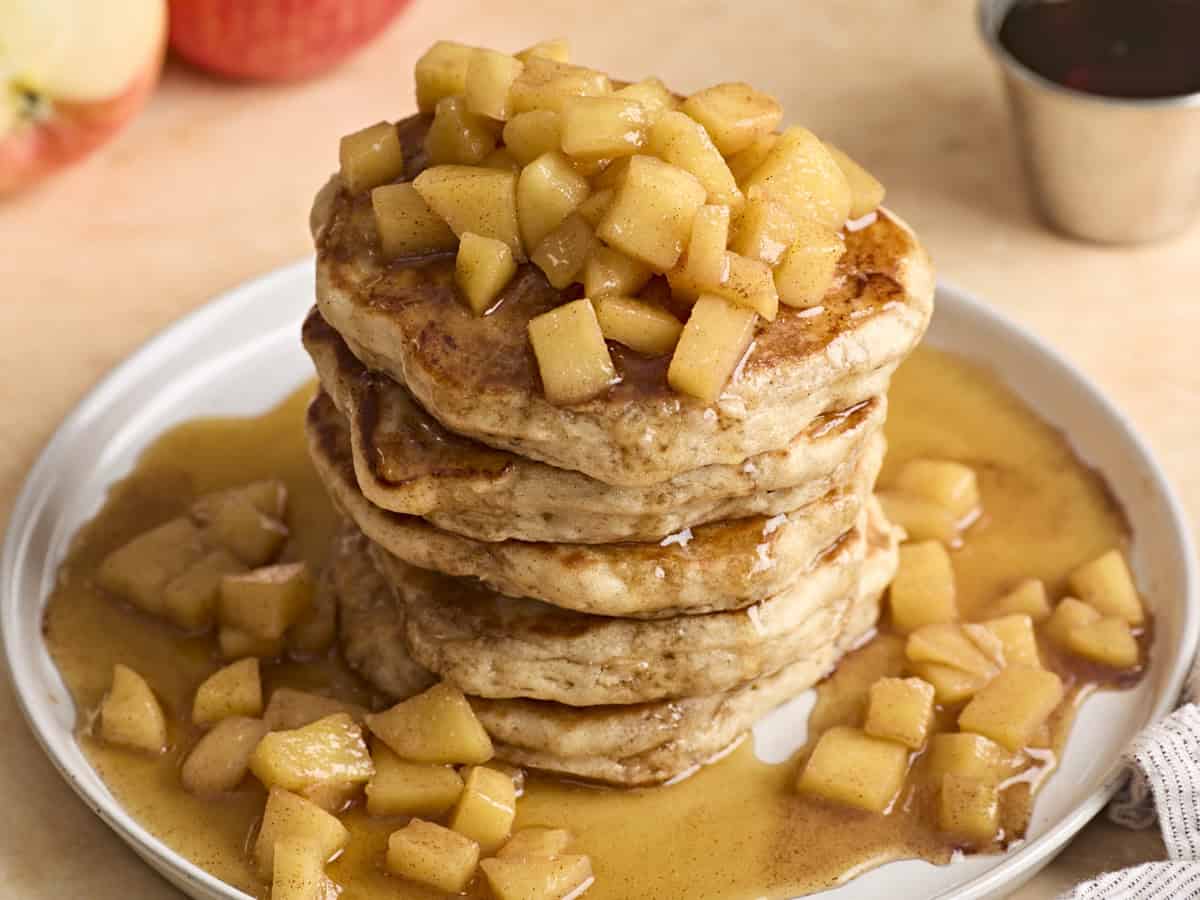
1013,869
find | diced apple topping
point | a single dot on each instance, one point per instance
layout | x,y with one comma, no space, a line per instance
640,326
734,114
442,72
900,710
1013,705
958,660
851,768
714,340
944,482
140,570
680,140
245,520
458,136
969,808
595,128
371,157
967,755
806,272
548,190
406,224
595,207
1108,641
921,519
535,842
298,873
316,630
490,76
765,230
529,135
749,284
548,84
190,599
265,602
289,708
923,591
571,354
556,49
400,788
221,758
799,173
1016,633
1026,598
486,807
744,163
430,854
130,714
483,269
468,198
652,212
501,159
1107,584
437,726
537,878
235,690
654,96
866,193
609,272
330,750
707,263
292,818
1067,616
238,644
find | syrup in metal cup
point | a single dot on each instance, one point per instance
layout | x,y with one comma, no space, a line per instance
1110,169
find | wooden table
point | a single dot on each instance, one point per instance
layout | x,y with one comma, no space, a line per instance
211,185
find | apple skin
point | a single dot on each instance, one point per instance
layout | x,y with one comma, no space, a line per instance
274,40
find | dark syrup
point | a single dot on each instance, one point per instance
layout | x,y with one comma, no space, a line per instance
1117,48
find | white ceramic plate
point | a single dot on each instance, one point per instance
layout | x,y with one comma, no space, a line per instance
241,354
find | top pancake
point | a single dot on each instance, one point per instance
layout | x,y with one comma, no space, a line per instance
479,378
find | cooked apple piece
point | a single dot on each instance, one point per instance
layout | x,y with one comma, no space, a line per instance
548,191
651,215
130,715
957,662
333,796
969,808
315,631
1067,616
1016,633
221,758
557,49
923,592
269,496
328,750
610,272
654,96
638,325
595,128
534,843
490,75
765,230
538,878
735,114
233,519
1013,706
921,519
1107,584
430,854
950,684
711,346
1027,598
298,873
707,263
501,159
571,354
749,284
289,709
529,135
458,136
235,643
942,481
292,818
486,808
900,710
967,755
436,726
481,201
744,163
680,140
595,207
140,570
371,157
613,175
799,173
548,84
406,225
235,690
854,769
808,267
190,599
442,72
1108,641
564,252
266,602
866,193
483,269
400,788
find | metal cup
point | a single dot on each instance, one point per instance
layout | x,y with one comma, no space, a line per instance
1107,169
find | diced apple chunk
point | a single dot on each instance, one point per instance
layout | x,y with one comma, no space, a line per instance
266,602
968,755
238,644
406,224
900,710
1013,706
921,519
765,231
1106,584
957,660
535,842
602,127
537,878
328,750
947,483
707,262
235,690
486,807
1026,598
490,75
556,49
651,215
469,198
190,599
501,159
315,631
735,114
563,253
609,272
595,207
458,136
483,269
680,140
430,854
654,96
221,758
1067,616
855,769
531,134
950,684
333,796
969,808
140,570
647,329
806,271
436,726
749,283
548,191
923,590
289,708
442,72
1108,642
744,163
298,873
548,84
571,354
712,344
371,157
400,788
130,714
866,193
1016,633
799,173
292,818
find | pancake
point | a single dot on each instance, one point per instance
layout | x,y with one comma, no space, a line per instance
406,462
478,377
725,565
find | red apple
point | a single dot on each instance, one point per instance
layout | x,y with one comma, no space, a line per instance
274,39
72,72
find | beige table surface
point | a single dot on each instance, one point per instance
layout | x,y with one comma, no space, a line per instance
211,185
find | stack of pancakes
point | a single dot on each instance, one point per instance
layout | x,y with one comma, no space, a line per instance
624,586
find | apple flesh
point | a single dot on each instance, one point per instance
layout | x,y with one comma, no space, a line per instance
72,73
275,40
